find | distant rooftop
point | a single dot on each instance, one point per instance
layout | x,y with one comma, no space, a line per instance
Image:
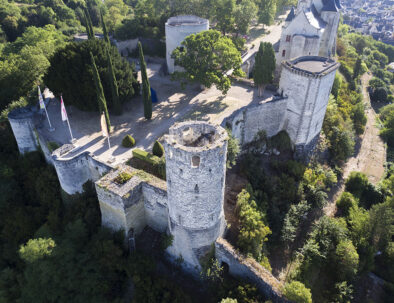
185,20
312,64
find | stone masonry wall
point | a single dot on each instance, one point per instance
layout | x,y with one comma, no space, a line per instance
248,269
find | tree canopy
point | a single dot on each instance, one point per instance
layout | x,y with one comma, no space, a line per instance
206,58
71,73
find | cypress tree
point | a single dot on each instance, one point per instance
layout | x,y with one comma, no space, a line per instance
114,84
102,103
357,68
105,32
146,95
89,25
264,66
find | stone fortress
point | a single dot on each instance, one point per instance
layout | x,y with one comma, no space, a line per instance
189,204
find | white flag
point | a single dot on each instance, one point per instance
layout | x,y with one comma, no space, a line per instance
104,127
41,99
63,110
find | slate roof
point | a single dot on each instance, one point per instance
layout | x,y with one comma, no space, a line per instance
291,15
330,6
314,18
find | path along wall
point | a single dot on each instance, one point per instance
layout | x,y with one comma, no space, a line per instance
248,269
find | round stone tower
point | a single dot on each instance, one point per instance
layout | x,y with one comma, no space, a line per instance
196,155
307,83
177,29
22,124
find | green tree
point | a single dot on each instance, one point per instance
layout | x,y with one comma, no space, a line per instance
264,67
89,25
158,149
71,74
233,149
102,103
244,13
253,232
105,32
114,86
206,58
267,11
357,70
225,15
359,118
337,85
146,94
346,260
296,292
36,249
345,202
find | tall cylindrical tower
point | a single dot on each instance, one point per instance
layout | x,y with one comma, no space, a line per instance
196,171
177,29
22,124
307,82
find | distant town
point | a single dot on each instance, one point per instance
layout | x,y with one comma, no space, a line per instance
375,18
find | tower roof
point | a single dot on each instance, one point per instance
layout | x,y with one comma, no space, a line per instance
330,5
291,15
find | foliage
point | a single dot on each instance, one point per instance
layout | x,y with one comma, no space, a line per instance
265,65
229,300
114,86
71,74
24,62
387,116
52,146
253,232
245,12
166,241
297,292
233,149
128,141
146,93
357,184
206,58
158,164
292,221
346,259
158,149
267,11
345,202
102,103
36,249
122,178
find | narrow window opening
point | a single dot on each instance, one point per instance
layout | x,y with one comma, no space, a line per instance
196,189
195,161
283,53
288,37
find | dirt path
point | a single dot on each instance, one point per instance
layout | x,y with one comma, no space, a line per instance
370,154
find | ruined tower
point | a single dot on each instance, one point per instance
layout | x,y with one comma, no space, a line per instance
196,171
307,82
177,29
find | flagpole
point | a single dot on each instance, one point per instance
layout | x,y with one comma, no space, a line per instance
51,129
68,122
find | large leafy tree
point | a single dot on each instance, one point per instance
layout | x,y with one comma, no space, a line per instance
264,67
71,73
206,58
244,13
267,11
225,15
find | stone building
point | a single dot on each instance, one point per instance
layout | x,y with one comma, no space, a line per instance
177,29
310,30
196,170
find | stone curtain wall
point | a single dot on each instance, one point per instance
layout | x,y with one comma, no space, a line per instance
248,269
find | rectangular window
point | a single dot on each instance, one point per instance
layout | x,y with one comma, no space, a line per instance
284,53
288,37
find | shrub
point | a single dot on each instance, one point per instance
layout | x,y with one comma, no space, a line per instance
128,141
232,149
52,146
345,203
158,149
297,292
361,188
347,259
159,164
122,178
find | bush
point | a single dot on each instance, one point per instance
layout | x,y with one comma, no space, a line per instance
122,178
159,164
361,188
232,149
158,149
128,141
345,203
297,292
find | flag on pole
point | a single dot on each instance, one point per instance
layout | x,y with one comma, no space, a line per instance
41,99
104,127
63,110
